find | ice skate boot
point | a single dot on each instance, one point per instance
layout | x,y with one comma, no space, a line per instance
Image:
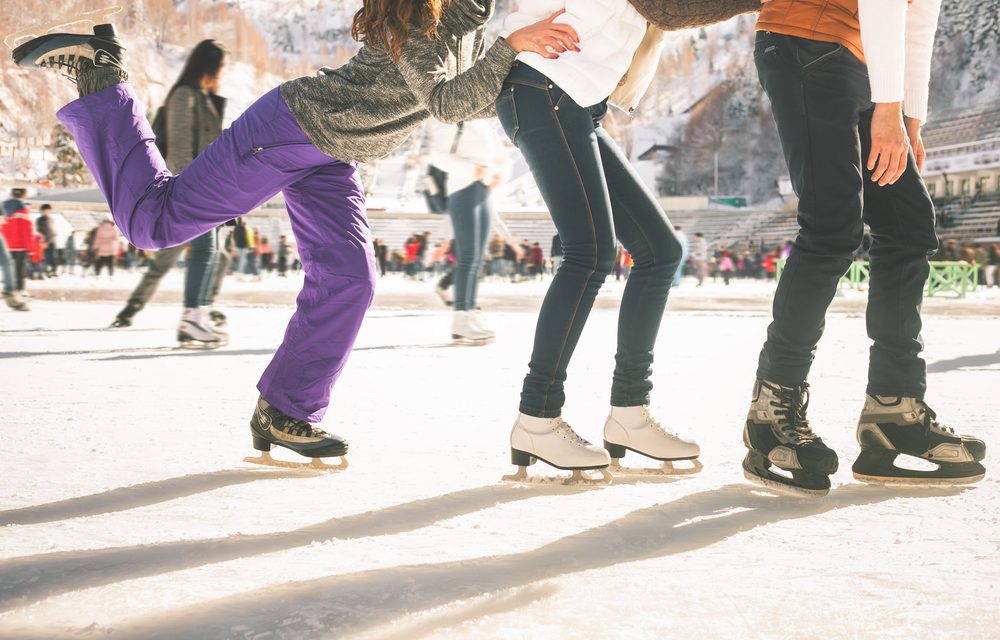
777,432
217,318
481,325
443,295
124,317
269,426
465,332
554,442
893,426
66,51
635,429
14,301
192,332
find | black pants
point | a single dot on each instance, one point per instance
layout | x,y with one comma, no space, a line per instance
21,260
592,192
822,105
105,261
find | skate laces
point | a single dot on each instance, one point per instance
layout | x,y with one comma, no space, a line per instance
567,432
656,423
930,419
68,65
295,427
791,408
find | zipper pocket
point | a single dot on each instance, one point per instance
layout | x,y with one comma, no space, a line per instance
256,151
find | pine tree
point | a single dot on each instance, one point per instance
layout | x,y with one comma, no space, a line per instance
68,168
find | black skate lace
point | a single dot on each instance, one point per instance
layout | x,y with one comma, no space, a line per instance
791,408
930,420
294,427
70,63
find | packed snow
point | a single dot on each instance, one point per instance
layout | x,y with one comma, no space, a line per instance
126,510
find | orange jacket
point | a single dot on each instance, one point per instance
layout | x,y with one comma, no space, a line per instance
823,20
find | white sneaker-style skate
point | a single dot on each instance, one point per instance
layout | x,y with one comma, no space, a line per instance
554,442
465,332
193,332
635,429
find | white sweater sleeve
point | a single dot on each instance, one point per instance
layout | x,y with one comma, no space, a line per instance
921,24
883,36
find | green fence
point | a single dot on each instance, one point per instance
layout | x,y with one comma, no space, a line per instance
958,278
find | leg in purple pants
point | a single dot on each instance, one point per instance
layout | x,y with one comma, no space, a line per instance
262,153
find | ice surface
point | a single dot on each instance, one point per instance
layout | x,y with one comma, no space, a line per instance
125,508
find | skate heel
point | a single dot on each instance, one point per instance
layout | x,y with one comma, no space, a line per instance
522,458
616,451
260,444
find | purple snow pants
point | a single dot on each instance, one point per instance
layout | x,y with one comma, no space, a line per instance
262,153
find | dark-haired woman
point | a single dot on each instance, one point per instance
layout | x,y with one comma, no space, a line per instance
193,117
419,59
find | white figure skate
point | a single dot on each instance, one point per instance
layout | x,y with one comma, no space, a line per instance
635,429
554,442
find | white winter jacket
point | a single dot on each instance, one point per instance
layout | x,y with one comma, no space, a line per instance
610,32
460,154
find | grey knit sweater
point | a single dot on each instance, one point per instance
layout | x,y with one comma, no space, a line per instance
367,108
671,15
194,121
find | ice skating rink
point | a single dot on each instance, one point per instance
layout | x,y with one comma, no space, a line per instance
126,512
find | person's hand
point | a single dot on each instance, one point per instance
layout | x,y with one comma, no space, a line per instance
546,38
916,141
887,160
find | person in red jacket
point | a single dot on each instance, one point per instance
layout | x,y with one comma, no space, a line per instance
18,231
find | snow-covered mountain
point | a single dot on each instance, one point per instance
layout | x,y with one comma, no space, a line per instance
704,105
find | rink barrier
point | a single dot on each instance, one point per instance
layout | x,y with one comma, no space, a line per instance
958,278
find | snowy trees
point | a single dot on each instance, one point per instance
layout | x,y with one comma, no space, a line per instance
67,169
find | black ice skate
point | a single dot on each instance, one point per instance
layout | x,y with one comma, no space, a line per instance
777,432
14,301
217,318
124,317
891,426
269,426
66,51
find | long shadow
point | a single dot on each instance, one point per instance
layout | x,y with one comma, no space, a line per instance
340,605
138,495
402,347
47,331
177,352
954,364
79,352
27,579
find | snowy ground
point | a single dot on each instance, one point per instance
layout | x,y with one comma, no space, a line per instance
125,509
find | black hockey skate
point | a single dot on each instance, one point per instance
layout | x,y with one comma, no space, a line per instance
269,426
124,317
777,433
66,52
217,318
893,426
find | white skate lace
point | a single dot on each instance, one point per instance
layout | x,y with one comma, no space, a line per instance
656,424
567,432
930,419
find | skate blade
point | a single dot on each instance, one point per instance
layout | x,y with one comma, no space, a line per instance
917,481
577,479
197,345
785,489
98,16
667,469
316,465
469,342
